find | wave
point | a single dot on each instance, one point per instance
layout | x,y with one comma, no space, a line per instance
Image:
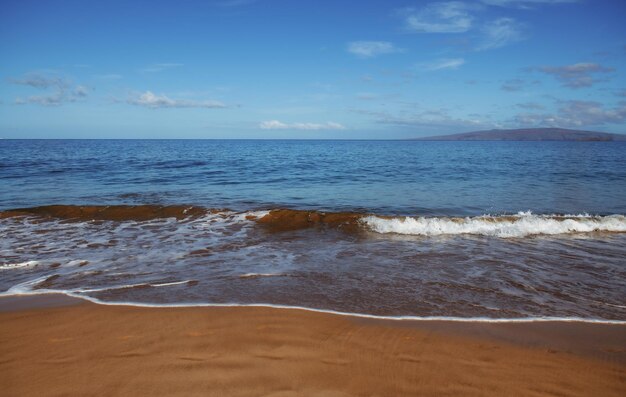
280,220
288,219
521,225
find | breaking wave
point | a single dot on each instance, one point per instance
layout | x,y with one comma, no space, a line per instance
521,225
281,220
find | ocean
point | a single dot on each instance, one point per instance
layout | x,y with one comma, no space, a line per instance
476,231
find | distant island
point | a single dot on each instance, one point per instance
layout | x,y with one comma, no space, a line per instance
529,134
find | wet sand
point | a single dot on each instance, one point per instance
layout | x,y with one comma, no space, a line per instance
57,346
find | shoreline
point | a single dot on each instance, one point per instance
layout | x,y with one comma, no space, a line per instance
399,318
61,345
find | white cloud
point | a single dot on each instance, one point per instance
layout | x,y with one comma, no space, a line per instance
154,101
443,17
441,64
370,49
279,125
500,32
462,17
80,91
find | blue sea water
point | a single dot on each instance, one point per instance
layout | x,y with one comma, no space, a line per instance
387,177
497,230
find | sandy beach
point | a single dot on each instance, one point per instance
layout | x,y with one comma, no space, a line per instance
52,345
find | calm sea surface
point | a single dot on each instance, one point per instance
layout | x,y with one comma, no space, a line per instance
443,229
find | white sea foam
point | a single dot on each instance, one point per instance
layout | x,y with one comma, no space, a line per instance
250,215
26,287
216,223
170,283
9,266
128,286
255,275
76,262
520,225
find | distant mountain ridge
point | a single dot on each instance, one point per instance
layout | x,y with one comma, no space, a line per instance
529,134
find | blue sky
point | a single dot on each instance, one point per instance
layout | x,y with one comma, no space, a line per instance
309,69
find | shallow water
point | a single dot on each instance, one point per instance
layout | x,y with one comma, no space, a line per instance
539,253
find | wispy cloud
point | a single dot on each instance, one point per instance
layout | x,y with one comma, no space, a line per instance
55,99
500,32
41,81
80,91
370,49
367,96
58,90
441,64
513,85
154,101
525,4
443,17
159,67
430,119
279,125
576,76
462,17
530,106
575,114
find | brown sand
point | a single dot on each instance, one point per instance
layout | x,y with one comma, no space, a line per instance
86,349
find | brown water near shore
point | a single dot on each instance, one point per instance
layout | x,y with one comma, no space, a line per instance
89,349
275,220
109,213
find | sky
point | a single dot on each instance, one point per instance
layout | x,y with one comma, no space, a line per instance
300,69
